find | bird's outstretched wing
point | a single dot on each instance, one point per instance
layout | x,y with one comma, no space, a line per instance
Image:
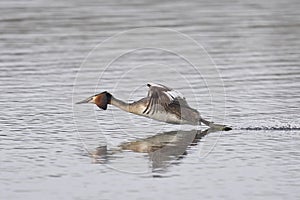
162,96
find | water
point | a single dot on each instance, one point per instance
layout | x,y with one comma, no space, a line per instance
46,66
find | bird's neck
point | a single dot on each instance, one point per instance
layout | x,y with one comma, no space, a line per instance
120,104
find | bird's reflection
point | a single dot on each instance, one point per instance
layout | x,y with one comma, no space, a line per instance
161,148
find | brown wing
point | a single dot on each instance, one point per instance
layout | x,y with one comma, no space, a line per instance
160,95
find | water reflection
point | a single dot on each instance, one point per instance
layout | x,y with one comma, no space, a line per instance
161,149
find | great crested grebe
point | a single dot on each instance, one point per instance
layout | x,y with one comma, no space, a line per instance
162,104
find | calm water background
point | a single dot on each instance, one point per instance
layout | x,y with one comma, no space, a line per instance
255,46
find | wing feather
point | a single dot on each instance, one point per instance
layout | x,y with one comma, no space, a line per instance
160,95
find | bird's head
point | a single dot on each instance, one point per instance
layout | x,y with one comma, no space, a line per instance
101,100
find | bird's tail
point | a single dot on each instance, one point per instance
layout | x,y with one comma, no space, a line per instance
215,126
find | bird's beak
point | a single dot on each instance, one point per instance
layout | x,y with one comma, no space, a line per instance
88,100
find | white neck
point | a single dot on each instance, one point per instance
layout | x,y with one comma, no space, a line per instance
120,104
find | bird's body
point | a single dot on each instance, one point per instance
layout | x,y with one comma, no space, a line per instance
173,114
162,104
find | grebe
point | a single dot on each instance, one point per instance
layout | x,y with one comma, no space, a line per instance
162,103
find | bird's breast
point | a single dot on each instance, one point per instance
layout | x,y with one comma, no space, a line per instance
164,117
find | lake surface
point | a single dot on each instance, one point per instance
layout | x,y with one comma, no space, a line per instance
237,62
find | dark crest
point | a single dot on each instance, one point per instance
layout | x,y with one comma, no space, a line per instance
103,99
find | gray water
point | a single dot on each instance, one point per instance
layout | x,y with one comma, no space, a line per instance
243,72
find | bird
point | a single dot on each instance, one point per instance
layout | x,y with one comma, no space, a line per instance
162,104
